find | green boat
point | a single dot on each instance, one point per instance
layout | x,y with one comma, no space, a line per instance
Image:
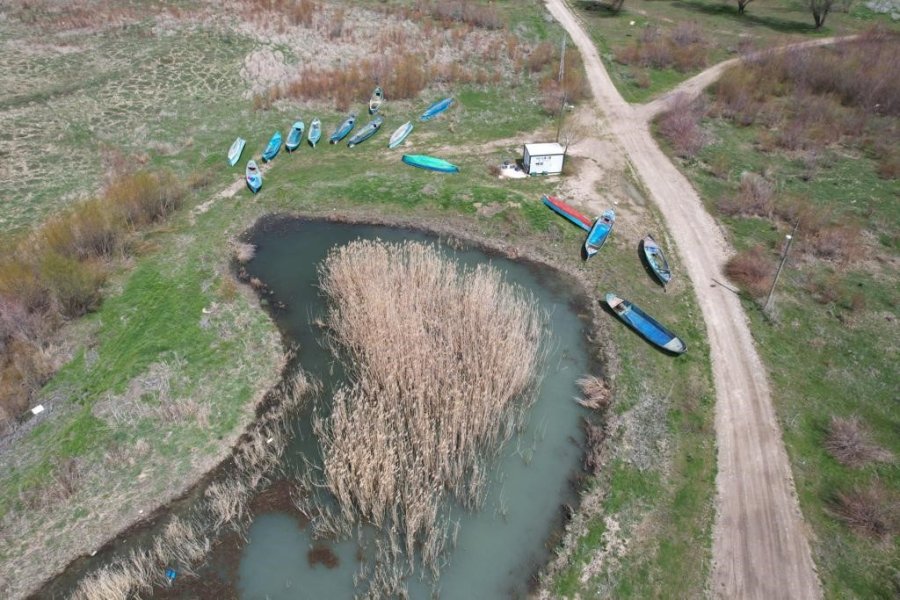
430,163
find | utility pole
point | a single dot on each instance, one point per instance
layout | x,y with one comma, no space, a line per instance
562,70
784,255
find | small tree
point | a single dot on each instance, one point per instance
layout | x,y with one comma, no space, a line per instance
742,5
820,10
616,5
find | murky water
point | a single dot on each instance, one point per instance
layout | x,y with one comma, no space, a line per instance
499,548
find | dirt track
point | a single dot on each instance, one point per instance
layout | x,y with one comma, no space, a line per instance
760,548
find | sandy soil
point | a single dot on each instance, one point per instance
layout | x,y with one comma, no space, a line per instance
760,547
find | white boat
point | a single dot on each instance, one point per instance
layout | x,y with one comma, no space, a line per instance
234,153
401,134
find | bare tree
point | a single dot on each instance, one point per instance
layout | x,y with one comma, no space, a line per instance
742,5
820,10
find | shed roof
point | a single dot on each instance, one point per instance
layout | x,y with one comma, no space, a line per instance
544,149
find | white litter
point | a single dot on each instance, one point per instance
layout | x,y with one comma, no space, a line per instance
37,409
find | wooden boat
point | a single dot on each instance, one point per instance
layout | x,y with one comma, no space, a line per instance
294,137
645,325
315,132
599,233
234,153
343,129
430,163
273,147
400,134
376,100
367,131
567,212
436,109
656,259
254,176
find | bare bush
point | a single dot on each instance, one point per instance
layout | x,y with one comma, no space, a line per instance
243,252
755,198
680,125
442,362
684,48
596,392
595,438
751,270
850,443
871,511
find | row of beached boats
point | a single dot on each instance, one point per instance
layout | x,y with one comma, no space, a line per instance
598,231
294,139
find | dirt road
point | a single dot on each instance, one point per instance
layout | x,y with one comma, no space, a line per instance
760,549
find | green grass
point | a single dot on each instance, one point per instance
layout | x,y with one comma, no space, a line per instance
829,357
764,24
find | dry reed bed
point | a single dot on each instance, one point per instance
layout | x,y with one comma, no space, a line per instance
186,540
442,363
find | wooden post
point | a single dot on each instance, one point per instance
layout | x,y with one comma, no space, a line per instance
784,255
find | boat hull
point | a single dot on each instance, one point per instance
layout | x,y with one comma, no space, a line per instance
656,260
430,163
599,233
273,147
567,212
253,177
648,327
315,133
343,130
295,137
436,109
400,135
237,148
376,100
366,132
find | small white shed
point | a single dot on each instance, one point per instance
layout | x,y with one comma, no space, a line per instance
543,159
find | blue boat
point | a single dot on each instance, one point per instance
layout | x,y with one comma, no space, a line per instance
645,325
436,109
294,137
234,153
430,163
366,132
599,233
343,129
315,132
254,177
273,147
656,259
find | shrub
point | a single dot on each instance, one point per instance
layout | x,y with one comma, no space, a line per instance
841,242
143,198
752,270
684,49
680,125
73,285
871,511
850,443
755,197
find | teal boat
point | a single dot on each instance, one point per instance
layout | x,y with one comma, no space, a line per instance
599,233
400,134
430,163
273,147
645,325
436,109
254,177
315,132
656,259
234,153
366,132
343,129
294,137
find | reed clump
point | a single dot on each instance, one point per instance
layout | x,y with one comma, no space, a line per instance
442,362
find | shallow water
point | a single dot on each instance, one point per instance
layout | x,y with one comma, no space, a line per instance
499,547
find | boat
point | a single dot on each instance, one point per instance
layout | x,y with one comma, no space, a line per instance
436,109
376,100
567,212
294,137
645,325
367,131
599,233
273,147
656,259
401,134
254,177
315,132
234,153
343,129
430,163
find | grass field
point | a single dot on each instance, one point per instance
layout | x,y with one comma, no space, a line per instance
167,367
829,343
708,31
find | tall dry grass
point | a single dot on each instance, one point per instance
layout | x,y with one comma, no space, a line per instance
185,540
442,361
